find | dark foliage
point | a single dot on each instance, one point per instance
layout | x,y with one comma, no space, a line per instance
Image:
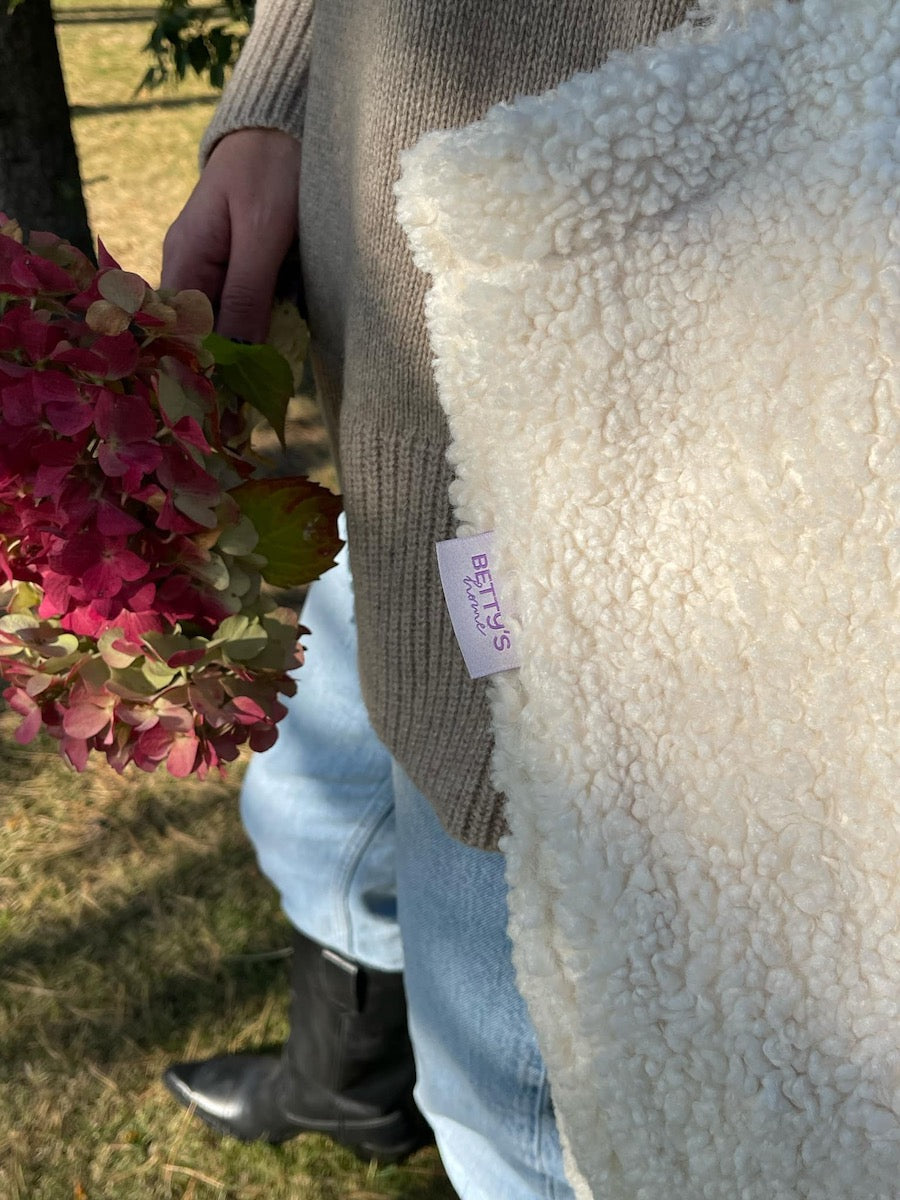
199,39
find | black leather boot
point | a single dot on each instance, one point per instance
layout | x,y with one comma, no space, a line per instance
346,1071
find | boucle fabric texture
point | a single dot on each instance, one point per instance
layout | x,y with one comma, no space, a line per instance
358,81
664,311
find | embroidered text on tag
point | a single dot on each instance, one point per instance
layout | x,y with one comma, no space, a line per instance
473,601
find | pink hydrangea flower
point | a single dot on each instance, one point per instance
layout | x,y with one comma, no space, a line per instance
132,618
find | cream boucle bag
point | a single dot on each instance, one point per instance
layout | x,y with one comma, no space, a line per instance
664,312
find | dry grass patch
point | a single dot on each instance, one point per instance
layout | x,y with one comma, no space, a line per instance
138,153
135,930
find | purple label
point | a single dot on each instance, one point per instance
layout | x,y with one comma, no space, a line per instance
473,601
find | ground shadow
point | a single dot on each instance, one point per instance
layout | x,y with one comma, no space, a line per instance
105,110
110,15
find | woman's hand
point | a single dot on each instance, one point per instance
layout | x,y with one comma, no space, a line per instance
239,222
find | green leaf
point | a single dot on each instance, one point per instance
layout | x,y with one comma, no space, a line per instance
95,674
296,520
16,622
176,402
252,643
140,680
157,673
223,473
166,644
63,646
213,571
113,657
282,628
124,289
241,637
24,597
230,628
259,375
240,538
60,665
239,582
198,508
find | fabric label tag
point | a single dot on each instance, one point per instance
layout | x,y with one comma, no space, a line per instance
473,601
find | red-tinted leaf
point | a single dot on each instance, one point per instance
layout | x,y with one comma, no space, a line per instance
77,357
76,752
139,597
119,355
226,747
175,718
125,418
101,569
56,598
296,520
263,739
140,716
188,431
72,416
18,278
87,720
75,503
139,622
180,473
38,339
9,341
29,727
105,260
183,756
20,405
52,386
185,658
51,277
148,320
112,520
72,260
172,521
139,458
57,460
101,578
153,745
247,710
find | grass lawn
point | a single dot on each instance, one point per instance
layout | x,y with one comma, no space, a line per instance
138,154
134,927
135,930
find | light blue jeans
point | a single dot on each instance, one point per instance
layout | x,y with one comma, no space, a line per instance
364,866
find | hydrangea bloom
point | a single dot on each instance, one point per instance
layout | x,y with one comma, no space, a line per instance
133,537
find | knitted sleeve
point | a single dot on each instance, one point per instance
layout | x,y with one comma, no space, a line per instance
268,86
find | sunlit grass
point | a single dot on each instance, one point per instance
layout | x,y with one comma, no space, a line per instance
136,929
138,154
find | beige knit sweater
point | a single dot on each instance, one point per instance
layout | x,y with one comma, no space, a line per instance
358,81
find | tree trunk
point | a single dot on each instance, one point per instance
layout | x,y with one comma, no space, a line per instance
40,183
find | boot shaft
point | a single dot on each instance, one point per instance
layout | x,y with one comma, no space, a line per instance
348,1033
